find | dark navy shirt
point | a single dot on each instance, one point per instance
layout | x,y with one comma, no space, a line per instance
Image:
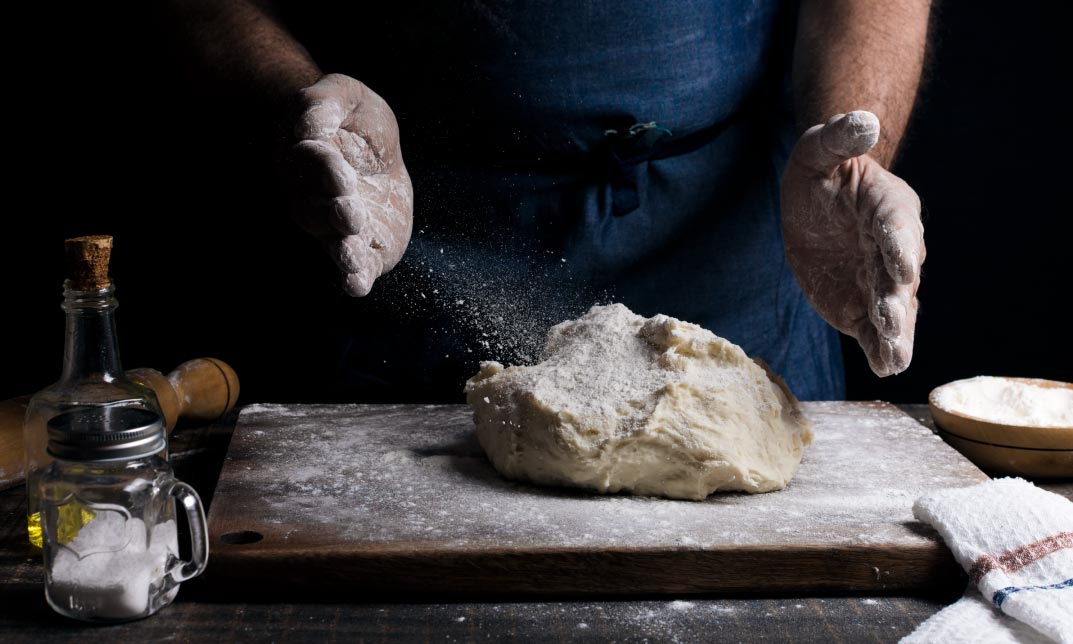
566,153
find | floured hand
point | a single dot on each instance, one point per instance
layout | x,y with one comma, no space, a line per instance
854,239
349,186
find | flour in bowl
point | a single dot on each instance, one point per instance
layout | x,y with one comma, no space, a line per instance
1008,402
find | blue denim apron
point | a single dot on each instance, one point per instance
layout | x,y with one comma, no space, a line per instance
576,152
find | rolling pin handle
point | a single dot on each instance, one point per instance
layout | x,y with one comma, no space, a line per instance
200,390
207,388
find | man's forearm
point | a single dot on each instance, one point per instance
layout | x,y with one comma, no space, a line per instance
246,47
860,54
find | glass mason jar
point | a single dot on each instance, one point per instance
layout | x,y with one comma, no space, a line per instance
108,517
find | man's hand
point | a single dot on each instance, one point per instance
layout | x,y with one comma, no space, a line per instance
349,186
854,239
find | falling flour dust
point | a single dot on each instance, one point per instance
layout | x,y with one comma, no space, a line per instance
495,300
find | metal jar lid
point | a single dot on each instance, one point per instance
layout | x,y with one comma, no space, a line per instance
106,433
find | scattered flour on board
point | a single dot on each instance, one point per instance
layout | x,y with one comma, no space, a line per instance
285,411
398,474
644,620
660,621
492,301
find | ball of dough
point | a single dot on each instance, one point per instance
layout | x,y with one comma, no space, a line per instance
651,406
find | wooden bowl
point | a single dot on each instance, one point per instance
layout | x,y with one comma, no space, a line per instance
1041,452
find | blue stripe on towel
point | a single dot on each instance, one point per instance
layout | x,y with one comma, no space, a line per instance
1001,594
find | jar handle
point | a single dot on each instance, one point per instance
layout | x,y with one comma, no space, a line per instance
199,532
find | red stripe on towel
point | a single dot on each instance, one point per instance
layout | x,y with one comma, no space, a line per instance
1018,558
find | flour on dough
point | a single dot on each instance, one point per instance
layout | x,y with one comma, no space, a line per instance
651,406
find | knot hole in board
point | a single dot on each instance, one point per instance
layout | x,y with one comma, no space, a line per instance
241,538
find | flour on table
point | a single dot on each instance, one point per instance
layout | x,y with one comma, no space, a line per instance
652,406
332,474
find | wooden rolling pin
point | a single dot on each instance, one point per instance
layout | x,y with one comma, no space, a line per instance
200,390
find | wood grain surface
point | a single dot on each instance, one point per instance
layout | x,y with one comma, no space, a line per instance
197,454
368,500
25,617
834,620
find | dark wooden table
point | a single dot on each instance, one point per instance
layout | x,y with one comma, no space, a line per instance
198,454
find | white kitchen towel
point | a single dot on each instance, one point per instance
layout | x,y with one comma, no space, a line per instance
974,620
1016,542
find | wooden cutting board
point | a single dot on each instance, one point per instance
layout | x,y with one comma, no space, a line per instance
361,500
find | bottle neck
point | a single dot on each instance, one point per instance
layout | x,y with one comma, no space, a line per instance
90,349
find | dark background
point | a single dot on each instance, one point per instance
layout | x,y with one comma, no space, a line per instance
107,136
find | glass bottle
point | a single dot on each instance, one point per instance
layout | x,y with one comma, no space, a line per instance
92,374
108,517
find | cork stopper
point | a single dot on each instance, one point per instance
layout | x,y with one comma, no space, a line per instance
87,261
